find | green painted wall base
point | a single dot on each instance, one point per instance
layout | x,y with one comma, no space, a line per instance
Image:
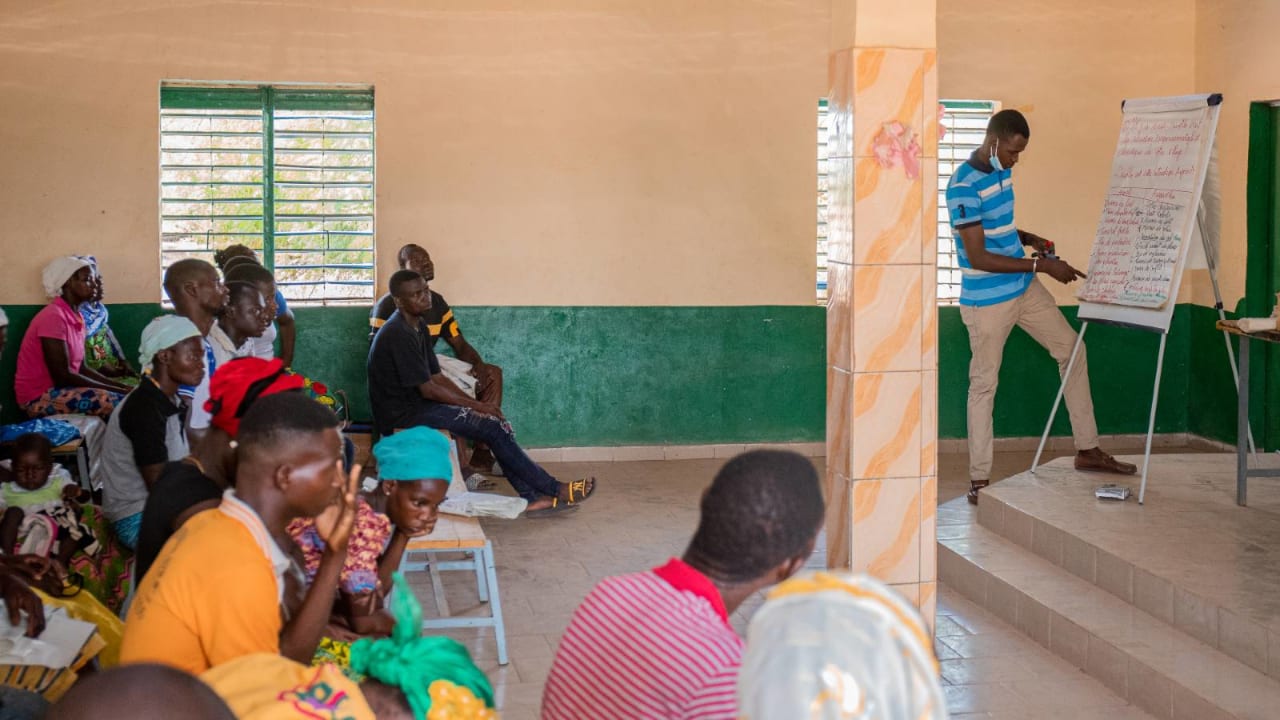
589,376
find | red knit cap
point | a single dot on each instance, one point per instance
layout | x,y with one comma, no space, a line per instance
238,383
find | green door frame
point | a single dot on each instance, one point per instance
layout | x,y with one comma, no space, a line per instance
1262,267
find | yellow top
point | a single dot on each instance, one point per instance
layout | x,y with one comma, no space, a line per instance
270,687
213,594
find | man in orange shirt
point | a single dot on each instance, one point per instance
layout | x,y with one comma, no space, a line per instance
222,586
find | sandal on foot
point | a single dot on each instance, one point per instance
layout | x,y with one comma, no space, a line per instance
558,507
578,491
974,487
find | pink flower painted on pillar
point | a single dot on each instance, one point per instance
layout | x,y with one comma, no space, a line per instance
942,129
896,144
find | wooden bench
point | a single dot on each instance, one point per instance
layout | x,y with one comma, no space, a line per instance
456,534
76,447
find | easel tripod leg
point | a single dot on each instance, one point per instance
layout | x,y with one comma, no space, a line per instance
1062,387
1151,423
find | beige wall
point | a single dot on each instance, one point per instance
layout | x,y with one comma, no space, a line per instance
547,151
1067,65
1238,56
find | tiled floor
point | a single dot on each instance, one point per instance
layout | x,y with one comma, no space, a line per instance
644,512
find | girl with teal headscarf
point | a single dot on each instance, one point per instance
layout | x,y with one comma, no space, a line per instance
415,467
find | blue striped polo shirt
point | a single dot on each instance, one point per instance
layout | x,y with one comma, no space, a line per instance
976,194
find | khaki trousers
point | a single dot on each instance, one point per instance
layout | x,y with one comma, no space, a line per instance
989,327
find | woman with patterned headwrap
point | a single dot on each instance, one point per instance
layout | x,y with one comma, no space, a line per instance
834,646
102,351
415,468
402,676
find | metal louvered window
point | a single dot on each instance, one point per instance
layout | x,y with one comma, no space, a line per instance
963,126
823,114
287,171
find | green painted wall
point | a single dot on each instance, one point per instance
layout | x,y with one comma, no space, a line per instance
1121,372
581,376
584,376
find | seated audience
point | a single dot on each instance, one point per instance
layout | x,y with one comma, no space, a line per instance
149,428
225,583
404,676
238,324
415,468
406,389
141,692
466,369
47,516
40,505
197,293
835,645
102,351
262,346
51,375
277,308
658,644
197,481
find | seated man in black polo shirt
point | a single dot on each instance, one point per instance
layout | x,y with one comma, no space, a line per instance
407,388
466,370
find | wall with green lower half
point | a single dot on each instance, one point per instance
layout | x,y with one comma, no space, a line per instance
1196,390
583,376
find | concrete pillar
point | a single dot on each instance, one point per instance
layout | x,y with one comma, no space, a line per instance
882,365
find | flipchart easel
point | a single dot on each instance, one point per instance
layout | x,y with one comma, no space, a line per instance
1152,313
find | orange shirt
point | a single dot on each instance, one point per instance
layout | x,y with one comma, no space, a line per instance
212,595
269,687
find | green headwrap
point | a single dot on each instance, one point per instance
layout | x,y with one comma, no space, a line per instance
411,662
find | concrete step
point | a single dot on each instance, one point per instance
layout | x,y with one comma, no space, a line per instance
1142,659
1179,562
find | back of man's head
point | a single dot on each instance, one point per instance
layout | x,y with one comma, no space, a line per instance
274,421
250,272
183,272
763,508
140,692
1008,124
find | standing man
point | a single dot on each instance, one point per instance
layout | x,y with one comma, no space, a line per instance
466,370
998,289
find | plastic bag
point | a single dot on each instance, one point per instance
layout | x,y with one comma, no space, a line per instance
58,432
473,504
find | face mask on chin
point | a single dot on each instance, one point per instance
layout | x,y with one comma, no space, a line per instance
995,156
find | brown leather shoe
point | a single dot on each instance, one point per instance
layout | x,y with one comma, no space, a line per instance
974,487
1095,460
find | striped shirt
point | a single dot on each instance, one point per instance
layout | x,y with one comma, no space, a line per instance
978,193
656,644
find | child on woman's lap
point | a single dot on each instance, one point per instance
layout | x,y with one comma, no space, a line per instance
40,504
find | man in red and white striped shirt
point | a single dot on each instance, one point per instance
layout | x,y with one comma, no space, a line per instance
658,644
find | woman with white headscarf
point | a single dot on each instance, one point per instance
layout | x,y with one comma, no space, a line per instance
834,646
51,377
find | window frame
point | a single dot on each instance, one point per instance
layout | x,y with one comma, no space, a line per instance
275,102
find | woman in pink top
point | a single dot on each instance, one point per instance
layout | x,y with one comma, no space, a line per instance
52,377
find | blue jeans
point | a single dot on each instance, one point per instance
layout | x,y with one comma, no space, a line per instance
526,476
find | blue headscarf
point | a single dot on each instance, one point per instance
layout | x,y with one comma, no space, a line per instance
419,453
94,312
